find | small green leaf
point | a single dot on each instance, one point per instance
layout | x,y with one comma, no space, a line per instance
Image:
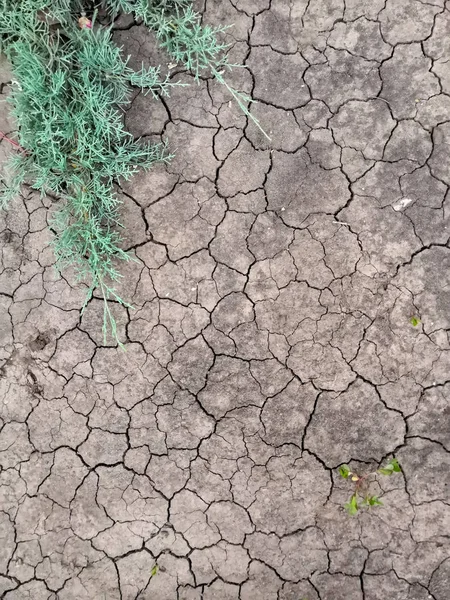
387,470
374,501
352,505
344,471
392,467
154,571
395,464
415,321
350,509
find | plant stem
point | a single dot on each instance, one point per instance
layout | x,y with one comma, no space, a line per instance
14,143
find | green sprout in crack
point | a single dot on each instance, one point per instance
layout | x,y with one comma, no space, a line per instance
361,497
154,571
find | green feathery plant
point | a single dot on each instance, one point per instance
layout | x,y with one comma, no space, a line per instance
70,85
179,31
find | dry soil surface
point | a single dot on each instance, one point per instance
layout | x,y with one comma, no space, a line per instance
291,313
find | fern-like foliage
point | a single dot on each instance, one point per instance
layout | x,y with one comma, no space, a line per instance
70,86
179,31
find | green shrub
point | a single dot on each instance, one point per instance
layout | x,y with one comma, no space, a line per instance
70,85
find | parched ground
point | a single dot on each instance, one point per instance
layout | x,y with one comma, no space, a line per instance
291,313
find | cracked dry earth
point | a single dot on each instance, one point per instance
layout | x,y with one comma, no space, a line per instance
271,336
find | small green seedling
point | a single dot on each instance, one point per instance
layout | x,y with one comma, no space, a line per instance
361,496
352,505
415,321
391,467
154,571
